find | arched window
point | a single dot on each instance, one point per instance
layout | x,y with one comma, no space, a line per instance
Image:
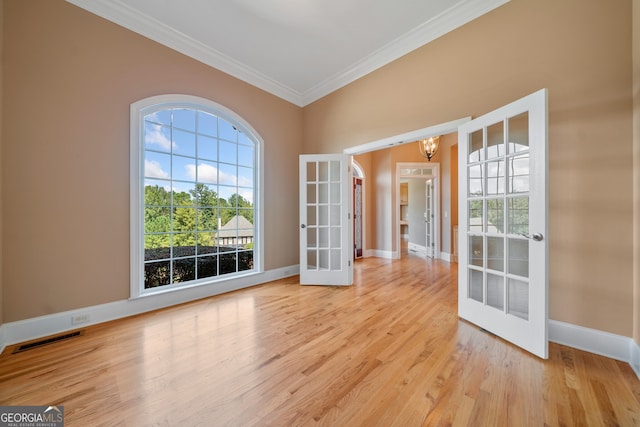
194,204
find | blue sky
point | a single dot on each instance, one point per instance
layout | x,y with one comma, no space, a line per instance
213,139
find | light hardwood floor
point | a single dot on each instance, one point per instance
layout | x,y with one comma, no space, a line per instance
387,351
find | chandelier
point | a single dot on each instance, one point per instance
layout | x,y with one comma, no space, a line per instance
429,146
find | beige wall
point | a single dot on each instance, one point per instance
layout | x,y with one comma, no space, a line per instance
579,50
636,168
69,79
1,168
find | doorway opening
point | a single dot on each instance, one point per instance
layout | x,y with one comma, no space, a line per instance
418,208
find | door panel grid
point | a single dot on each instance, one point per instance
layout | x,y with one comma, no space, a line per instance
326,248
497,196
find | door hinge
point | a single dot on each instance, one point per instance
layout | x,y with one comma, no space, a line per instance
349,263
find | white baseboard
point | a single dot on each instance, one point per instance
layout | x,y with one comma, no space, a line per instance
605,344
635,357
38,327
422,250
381,254
445,256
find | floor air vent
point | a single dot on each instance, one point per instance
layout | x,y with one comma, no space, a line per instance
45,341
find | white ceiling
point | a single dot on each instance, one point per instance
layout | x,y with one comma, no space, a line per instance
299,50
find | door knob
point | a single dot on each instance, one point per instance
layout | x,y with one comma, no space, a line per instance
535,236
303,226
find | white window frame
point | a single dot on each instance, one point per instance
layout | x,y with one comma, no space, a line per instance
138,110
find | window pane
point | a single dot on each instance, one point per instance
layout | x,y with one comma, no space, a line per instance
157,274
184,270
495,216
227,131
519,174
228,263
157,192
312,260
495,291
227,173
495,177
157,137
245,177
207,266
476,181
495,141
495,253
184,119
228,152
519,215
476,289
475,147
518,298
476,256
245,155
335,259
475,215
184,143
519,133
184,168
207,219
157,165
519,257
207,148
311,172
157,219
207,124
162,117
157,246
312,237
206,243
245,260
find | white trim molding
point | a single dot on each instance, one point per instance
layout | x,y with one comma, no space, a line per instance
419,249
379,253
606,344
38,327
635,357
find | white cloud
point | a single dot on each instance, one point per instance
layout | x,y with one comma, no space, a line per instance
209,174
154,136
152,169
247,194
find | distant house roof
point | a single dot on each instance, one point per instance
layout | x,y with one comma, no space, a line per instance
237,226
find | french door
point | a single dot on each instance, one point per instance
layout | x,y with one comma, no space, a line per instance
326,248
429,219
503,256
357,218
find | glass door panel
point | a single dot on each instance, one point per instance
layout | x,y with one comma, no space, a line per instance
499,153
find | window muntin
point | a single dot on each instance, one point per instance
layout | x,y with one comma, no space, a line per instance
197,210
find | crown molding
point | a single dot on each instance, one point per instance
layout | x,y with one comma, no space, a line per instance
120,13
456,16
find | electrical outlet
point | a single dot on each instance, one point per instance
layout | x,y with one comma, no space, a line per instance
79,318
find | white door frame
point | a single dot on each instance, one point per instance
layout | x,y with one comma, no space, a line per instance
357,167
436,208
